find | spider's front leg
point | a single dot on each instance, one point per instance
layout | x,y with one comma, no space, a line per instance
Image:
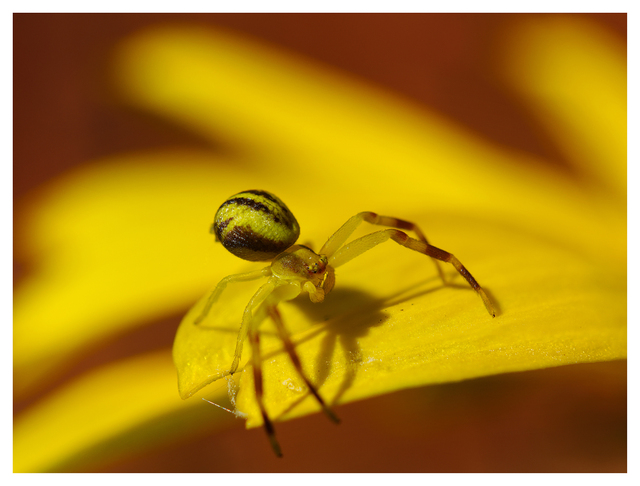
293,355
251,319
361,245
254,338
339,237
281,291
272,310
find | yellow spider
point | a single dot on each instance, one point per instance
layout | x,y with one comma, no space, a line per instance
257,226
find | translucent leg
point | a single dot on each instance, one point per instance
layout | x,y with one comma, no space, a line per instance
361,245
239,277
249,320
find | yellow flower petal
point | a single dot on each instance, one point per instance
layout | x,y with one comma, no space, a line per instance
389,324
573,74
373,149
115,244
106,414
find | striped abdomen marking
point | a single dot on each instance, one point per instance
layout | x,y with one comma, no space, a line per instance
255,225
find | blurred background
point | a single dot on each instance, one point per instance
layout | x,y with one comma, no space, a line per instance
571,418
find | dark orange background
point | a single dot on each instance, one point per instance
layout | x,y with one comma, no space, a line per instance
65,114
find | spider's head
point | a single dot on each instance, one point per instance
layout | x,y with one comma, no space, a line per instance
306,266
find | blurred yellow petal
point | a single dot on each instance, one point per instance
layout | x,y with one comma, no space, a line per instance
106,414
115,244
573,74
335,135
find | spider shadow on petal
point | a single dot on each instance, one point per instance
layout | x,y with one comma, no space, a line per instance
349,314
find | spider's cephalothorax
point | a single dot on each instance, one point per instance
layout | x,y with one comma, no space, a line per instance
312,271
257,226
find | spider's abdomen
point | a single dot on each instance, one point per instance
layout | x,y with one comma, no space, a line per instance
255,226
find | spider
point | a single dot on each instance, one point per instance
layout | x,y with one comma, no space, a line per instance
257,226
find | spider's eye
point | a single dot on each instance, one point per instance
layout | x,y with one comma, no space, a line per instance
255,225
320,265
